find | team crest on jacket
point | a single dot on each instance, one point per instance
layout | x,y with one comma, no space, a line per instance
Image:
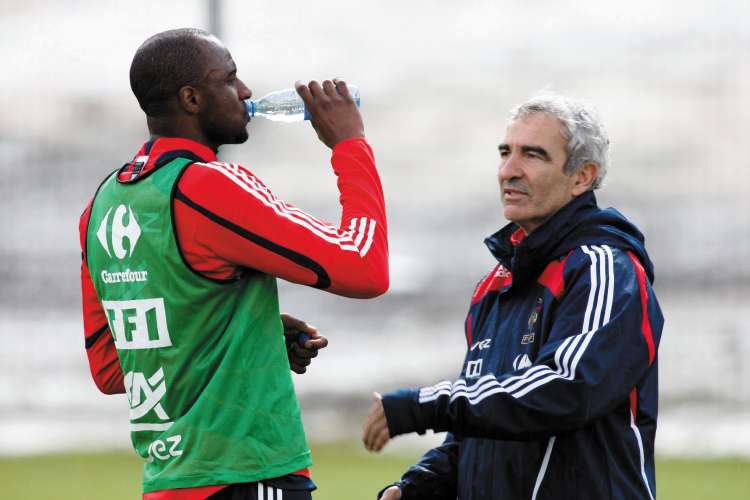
530,334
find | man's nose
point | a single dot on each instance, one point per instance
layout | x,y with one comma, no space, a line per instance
243,91
509,168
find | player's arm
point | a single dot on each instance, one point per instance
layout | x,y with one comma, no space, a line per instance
226,218
100,347
603,340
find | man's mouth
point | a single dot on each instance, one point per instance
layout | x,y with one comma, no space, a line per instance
513,194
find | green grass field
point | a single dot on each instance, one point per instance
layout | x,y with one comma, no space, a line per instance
343,472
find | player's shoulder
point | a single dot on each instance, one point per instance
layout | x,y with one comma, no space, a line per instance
217,169
499,277
222,173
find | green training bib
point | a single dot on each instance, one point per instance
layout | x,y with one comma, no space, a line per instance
205,366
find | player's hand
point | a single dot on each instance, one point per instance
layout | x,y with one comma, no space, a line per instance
375,433
392,493
302,342
333,113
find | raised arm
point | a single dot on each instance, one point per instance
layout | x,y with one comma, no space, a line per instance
233,219
226,217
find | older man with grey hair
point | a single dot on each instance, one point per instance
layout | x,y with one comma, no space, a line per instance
557,397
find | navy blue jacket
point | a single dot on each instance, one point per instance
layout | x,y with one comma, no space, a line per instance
557,398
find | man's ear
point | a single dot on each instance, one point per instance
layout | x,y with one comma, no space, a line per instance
190,99
585,178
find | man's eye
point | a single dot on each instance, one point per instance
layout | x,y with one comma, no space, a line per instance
504,154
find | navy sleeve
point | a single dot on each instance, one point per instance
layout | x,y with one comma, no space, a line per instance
602,342
434,477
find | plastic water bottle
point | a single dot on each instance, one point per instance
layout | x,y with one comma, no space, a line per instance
286,105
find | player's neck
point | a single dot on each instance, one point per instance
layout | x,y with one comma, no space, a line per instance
176,127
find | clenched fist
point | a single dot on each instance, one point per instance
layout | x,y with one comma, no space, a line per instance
302,342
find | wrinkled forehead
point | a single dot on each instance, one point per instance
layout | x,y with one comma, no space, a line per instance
536,127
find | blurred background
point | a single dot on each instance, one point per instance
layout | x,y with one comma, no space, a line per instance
671,80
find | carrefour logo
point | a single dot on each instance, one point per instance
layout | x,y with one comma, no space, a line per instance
119,231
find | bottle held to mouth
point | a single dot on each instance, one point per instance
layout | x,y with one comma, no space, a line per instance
286,105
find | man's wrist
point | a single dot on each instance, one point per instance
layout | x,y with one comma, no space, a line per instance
402,412
349,140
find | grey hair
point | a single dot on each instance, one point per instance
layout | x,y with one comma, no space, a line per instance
581,126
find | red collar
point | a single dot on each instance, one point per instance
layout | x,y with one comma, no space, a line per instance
517,237
157,152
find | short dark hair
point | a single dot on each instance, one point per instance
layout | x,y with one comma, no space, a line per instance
163,64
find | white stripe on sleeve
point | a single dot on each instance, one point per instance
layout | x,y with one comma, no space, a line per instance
360,231
370,235
343,240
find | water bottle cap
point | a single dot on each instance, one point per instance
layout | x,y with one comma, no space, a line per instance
250,106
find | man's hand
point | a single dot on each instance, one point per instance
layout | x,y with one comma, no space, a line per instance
375,432
300,356
392,493
334,115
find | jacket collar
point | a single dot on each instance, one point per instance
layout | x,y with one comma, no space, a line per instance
160,151
527,257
